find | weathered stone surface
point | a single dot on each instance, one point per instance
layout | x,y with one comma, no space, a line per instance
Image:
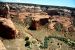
7,28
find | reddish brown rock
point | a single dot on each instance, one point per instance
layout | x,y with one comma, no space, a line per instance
7,28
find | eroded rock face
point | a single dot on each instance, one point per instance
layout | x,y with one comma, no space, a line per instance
7,28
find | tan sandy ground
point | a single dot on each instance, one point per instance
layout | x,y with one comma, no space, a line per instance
2,47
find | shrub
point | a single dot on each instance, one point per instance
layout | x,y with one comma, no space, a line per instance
27,43
58,26
28,21
26,38
45,44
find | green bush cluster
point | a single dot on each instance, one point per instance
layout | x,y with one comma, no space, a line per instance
66,41
27,41
45,44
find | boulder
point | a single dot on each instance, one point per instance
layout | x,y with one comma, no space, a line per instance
7,28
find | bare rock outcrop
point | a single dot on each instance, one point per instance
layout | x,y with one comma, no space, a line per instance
7,29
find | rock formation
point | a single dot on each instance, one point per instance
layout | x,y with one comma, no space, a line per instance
7,28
